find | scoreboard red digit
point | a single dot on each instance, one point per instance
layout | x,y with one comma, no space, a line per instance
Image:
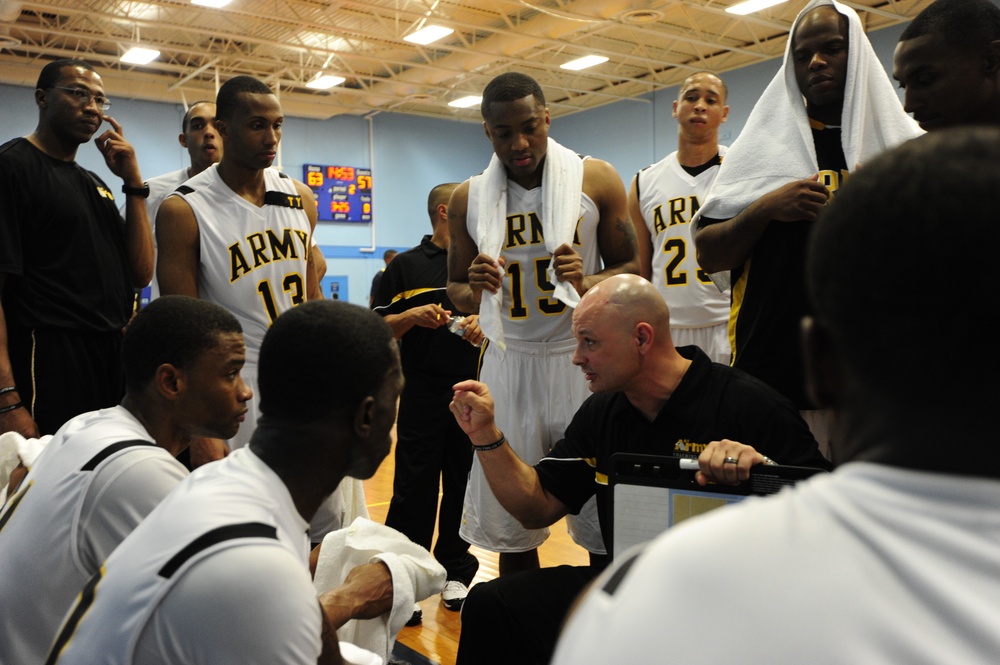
343,193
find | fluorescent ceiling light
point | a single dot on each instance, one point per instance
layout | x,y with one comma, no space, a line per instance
325,81
211,3
326,41
466,102
429,34
584,62
751,6
140,56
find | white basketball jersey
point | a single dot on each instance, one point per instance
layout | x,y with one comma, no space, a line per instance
669,197
253,260
229,511
529,310
98,477
160,188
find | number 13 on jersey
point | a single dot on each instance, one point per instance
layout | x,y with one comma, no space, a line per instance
291,284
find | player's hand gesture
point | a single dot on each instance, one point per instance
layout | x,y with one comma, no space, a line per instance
485,275
568,266
472,334
797,201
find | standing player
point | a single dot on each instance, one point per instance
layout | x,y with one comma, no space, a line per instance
238,233
806,132
199,137
948,63
663,199
506,230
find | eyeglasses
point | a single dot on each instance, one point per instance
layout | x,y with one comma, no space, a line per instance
84,97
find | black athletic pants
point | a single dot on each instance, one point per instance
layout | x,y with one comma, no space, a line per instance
517,618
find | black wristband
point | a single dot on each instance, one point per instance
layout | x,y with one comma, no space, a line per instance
142,190
11,407
7,389
491,446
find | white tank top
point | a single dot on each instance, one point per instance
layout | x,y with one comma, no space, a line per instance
231,509
253,260
530,312
80,499
669,197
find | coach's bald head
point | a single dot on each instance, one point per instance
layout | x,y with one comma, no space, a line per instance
626,300
622,330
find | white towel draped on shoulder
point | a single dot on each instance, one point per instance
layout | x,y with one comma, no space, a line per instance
776,145
562,185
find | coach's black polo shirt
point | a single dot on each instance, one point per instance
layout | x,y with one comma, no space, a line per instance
712,402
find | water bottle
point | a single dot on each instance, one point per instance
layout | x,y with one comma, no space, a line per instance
453,327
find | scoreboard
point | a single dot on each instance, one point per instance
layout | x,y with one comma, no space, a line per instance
343,193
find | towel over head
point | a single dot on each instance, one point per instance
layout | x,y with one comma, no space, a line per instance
776,145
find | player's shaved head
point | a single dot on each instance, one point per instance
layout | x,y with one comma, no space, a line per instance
231,94
438,196
509,87
704,76
193,109
967,25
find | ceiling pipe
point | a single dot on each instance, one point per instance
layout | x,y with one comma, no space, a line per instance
371,164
